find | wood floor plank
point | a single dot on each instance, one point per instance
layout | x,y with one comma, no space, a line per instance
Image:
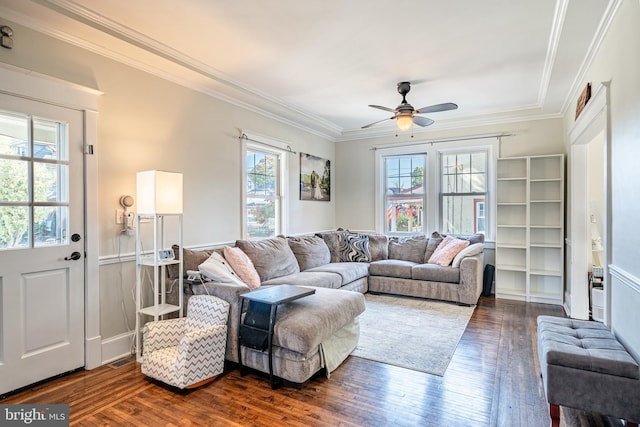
493,379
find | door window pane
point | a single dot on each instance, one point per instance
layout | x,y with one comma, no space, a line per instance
51,225
14,175
14,135
50,182
14,227
34,169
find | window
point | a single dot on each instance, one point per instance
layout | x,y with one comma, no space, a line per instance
463,192
263,192
404,197
34,169
422,187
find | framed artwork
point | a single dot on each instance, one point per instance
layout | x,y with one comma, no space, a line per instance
584,98
315,178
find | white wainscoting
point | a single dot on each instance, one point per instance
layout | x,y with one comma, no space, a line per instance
625,318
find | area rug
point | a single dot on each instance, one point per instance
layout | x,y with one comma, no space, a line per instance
412,333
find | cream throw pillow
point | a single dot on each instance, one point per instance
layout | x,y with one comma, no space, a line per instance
470,250
243,266
217,269
447,250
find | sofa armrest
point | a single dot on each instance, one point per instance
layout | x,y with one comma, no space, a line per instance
230,292
471,278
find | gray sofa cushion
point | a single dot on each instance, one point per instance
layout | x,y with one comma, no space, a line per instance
303,324
271,257
392,268
319,279
349,271
435,273
310,251
408,248
472,238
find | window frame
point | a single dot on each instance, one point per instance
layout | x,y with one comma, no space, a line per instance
433,202
268,146
442,194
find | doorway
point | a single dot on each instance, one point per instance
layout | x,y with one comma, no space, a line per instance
588,245
42,238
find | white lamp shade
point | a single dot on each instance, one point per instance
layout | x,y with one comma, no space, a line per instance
159,192
405,121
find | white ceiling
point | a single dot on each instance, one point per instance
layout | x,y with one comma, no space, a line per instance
317,65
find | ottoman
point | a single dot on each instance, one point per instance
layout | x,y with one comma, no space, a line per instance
584,367
311,333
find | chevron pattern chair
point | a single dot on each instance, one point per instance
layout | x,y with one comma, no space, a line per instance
187,352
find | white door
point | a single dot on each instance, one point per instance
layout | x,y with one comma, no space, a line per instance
41,242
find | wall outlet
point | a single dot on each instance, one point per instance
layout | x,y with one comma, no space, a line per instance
119,216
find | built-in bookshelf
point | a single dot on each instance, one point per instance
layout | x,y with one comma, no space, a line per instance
530,228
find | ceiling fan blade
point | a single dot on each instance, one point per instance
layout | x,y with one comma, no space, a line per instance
380,107
422,121
438,107
379,121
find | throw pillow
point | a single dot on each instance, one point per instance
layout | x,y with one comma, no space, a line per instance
217,269
379,246
310,251
408,249
473,249
243,266
332,240
355,248
447,250
435,239
271,257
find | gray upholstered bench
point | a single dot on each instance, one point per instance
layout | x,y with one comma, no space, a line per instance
584,367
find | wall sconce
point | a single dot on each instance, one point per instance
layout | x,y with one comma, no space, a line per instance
6,34
159,192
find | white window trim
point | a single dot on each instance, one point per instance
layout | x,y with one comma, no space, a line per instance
273,146
433,220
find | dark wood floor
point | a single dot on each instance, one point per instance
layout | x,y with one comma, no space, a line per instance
493,380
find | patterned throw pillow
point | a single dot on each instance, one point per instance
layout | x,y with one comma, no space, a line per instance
355,248
243,266
447,250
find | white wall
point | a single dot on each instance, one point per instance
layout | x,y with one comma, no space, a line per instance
618,61
355,163
145,122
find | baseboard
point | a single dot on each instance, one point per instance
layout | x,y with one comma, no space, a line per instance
117,347
93,352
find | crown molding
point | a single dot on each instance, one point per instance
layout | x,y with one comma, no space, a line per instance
594,47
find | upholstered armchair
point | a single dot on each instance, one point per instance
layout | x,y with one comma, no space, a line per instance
189,351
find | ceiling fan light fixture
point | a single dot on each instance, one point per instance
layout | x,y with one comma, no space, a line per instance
405,121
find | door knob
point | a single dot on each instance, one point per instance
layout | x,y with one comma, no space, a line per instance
74,256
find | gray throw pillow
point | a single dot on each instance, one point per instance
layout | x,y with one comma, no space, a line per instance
435,239
271,257
355,248
408,248
310,251
379,246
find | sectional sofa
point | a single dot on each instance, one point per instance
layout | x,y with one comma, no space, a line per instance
348,263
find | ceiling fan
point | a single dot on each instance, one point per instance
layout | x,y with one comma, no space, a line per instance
406,115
